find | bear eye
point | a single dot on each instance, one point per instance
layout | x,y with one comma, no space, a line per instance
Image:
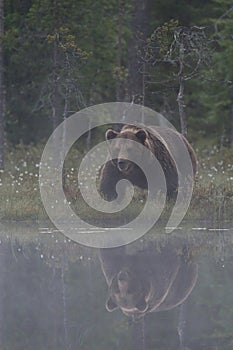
141,135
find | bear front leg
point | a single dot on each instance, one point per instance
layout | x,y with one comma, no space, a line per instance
109,176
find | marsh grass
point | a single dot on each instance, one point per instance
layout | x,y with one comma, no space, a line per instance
213,190
19,186
20,195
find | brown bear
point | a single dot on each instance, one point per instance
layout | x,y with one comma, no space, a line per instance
165,143
149,280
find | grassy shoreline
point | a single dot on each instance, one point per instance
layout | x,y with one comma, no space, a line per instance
20,195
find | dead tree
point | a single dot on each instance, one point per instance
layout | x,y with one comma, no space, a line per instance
184,50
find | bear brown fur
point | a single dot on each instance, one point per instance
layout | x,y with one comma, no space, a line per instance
164,143
149,280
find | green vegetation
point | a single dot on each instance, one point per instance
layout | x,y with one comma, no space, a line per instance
62,56
20,196
213,192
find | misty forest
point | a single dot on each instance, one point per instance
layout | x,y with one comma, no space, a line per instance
58,57
165,290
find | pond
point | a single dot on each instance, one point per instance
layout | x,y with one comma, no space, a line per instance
161,292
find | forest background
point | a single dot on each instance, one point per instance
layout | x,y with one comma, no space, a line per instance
60,56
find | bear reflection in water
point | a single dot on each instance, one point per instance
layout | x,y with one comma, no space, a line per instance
149,280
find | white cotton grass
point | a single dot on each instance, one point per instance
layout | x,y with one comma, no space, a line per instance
19,181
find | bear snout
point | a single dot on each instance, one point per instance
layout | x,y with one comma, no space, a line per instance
122,165
123,283
123,276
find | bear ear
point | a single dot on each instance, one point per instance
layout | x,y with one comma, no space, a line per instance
142,135
142,305
110,134
111,305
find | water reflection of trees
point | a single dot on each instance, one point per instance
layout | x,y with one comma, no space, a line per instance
53,294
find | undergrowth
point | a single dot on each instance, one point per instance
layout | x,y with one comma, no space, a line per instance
20,194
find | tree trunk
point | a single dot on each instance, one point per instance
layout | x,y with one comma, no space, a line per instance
119,51
181,326
140,29
181,106
55,305
1,85
66,112
55,94
64,301
231,135
138,335
55,98
54,86
180,97
4,252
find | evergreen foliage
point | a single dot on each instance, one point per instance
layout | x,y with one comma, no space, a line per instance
61,56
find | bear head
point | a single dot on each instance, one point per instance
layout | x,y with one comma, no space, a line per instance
128,293
122,151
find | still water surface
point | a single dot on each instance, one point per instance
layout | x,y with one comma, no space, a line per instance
161,292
